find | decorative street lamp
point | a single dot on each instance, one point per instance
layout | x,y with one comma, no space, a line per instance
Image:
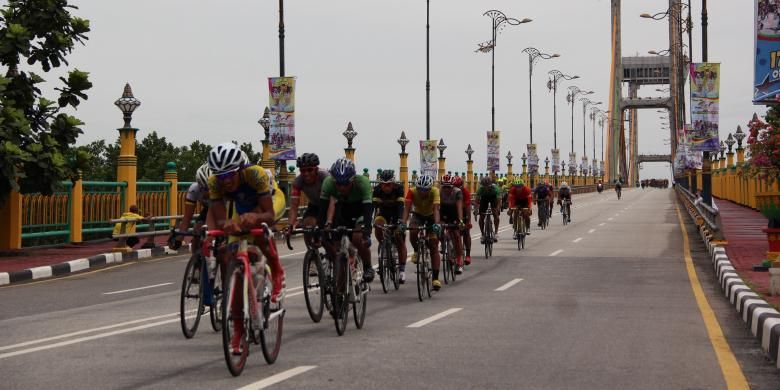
265,122
571,97
127,103
730,143
552,85
533,56
442,147
403,141
469,151
509,157
585,103
350,135
499,21
739,135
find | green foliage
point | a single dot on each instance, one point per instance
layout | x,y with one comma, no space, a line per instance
101,161
153,152
35,135
190,159
254,157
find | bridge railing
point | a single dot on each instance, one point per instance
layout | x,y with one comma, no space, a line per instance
703,213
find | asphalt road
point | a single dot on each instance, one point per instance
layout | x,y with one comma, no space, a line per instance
603,303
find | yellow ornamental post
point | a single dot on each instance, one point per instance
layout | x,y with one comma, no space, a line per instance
442,160
525,169
470,177
127,164
77,209
11,220
265,123
509,174
349,134
404,163
172,177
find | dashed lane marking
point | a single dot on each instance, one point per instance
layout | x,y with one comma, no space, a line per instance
591,231
436,317
137,288
556,253
602,224
508,285
274,379
577,240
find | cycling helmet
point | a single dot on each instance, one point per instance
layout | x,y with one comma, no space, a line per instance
446,180
343,171
202,175
244,158
564,185
518,182
457,181
387,176
307,160
486,181
424,182
225,158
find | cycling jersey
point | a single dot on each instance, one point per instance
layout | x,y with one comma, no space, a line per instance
466,200
542,191
487,193
312,191
354,207
520,196
255,184
449,201
389,205
196,193
564,193
423,204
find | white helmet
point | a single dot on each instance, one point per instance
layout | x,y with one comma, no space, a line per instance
424,182
202,175
244,158
564,185
225,158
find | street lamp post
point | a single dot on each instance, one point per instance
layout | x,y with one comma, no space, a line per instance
533,56
499,21
552,85
585,103
428,69
571,97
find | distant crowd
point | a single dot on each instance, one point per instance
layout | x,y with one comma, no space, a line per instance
655,183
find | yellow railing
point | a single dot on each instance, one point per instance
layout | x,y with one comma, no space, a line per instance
732,182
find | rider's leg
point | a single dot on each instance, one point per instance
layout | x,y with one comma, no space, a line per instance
455,237
308,222
379,233
433,244
277,271
482,225
496,221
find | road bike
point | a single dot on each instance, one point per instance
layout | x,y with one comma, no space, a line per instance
317,273
202,284
388,258
424,270
448,263
518,224
619,191
246,302
566,210
489,234
544,209
350,289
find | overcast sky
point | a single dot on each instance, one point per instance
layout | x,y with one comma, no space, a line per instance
200,68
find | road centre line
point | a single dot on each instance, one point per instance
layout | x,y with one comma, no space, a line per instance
274,379
508,285
609,219
430,319
137,288
602,224
556,253
578,239
88,338
591,231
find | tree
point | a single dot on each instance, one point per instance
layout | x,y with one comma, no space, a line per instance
35,135
153,153
250,152
190,159
102,162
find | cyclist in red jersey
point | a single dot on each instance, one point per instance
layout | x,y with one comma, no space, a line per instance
457,181
520,196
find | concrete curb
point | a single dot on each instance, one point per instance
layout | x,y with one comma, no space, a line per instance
760,317
79,265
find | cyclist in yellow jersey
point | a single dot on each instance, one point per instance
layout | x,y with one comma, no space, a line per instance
425,200
247,190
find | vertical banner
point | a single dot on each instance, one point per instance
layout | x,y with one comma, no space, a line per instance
693,158
428,161
584,166
705,99
572,164
493,151
556,160
533,160
766,75
281,136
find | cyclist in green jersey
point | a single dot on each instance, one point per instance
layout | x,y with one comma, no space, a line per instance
488,197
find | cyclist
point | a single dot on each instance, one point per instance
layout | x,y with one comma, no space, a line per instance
520,197
388,205
618,187
309,182
451,211
564,193
542,195
600,186
425,200
246,188
457,181
348,199
198,192
552,196
488,197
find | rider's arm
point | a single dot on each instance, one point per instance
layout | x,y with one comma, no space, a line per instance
331,212
263,213
220,212
436,215
459,205
292,219
511,198
407,206
189,210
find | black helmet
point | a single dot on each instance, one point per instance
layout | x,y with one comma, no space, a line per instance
387,176
307,160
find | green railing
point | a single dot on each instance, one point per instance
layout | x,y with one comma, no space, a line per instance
46,219
103,201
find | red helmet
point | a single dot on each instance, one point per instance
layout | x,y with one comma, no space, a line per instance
457,181
446,180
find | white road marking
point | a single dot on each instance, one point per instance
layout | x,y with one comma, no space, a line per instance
510,284
274,379
430,319
87,338
293,294
601,224
591,231
62,336
137,288
609,219
556,253
292,254
578,239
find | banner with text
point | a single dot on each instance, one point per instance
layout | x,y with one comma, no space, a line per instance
281,136
766,75
705,101
533,160
428,160
282,94
493,151
556,160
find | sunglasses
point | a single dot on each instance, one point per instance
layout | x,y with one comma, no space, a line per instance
226,175
309,169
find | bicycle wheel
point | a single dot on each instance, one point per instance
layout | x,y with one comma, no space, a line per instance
453,265
273,321
428,274
326,282
421,272
384,274
488,237
312,290
341,301
215,314
232,321
394,267
359,307
445,261
191,301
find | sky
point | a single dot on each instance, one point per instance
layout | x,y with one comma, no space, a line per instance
200,70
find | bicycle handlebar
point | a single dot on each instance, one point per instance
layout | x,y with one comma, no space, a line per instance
256,232
303,230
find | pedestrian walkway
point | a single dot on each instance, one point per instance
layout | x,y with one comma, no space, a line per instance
22,259
747,244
